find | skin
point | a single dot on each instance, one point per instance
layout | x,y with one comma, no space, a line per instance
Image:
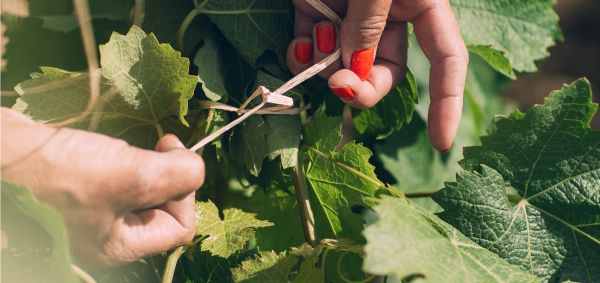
382,24
120,203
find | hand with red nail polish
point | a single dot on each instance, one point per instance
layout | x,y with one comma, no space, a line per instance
373,41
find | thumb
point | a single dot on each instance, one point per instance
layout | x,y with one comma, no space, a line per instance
168,142
360,32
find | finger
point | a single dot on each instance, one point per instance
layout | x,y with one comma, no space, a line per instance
439,36
299,54
168,142
150,232
360,33
164,176
300,51
326,38
387,72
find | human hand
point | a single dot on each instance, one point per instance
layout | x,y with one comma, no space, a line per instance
365,75
119,203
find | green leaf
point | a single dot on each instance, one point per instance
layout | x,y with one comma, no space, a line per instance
392,113
265,267
252,26
150,75
269,135
339,180
163,17
249,145
217,54
228,235
413,163
23,53
37,247
144,84
283,137
495,58
407,242
550,158
281,209
202,267
522,29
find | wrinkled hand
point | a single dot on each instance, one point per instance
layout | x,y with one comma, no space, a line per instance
120,203
373,40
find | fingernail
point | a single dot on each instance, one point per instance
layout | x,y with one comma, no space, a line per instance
325,35
362,62
345,93
446,150
303,51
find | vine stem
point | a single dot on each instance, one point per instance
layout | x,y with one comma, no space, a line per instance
308,221
84,276
84,18
171,265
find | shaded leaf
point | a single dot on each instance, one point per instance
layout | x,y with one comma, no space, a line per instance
550,158
252,26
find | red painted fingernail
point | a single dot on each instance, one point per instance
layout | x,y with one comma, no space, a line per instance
325,35
362,62
303,51
345,93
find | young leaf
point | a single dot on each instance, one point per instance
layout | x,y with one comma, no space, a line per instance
228,235
392,113
340,180
252,26
522,29
138,96
408,242
551,158
265,267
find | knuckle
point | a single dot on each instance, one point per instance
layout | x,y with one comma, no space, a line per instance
365,32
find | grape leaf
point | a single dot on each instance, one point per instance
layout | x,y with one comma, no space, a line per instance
150,75
339,180
37,247
228,235
248,143
393,112
58,15
551,158
60,49
495,58
202,267
522,29
281,209
284,267
265,267
429,249
143,84
163,17
217,54
252,26
269,135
